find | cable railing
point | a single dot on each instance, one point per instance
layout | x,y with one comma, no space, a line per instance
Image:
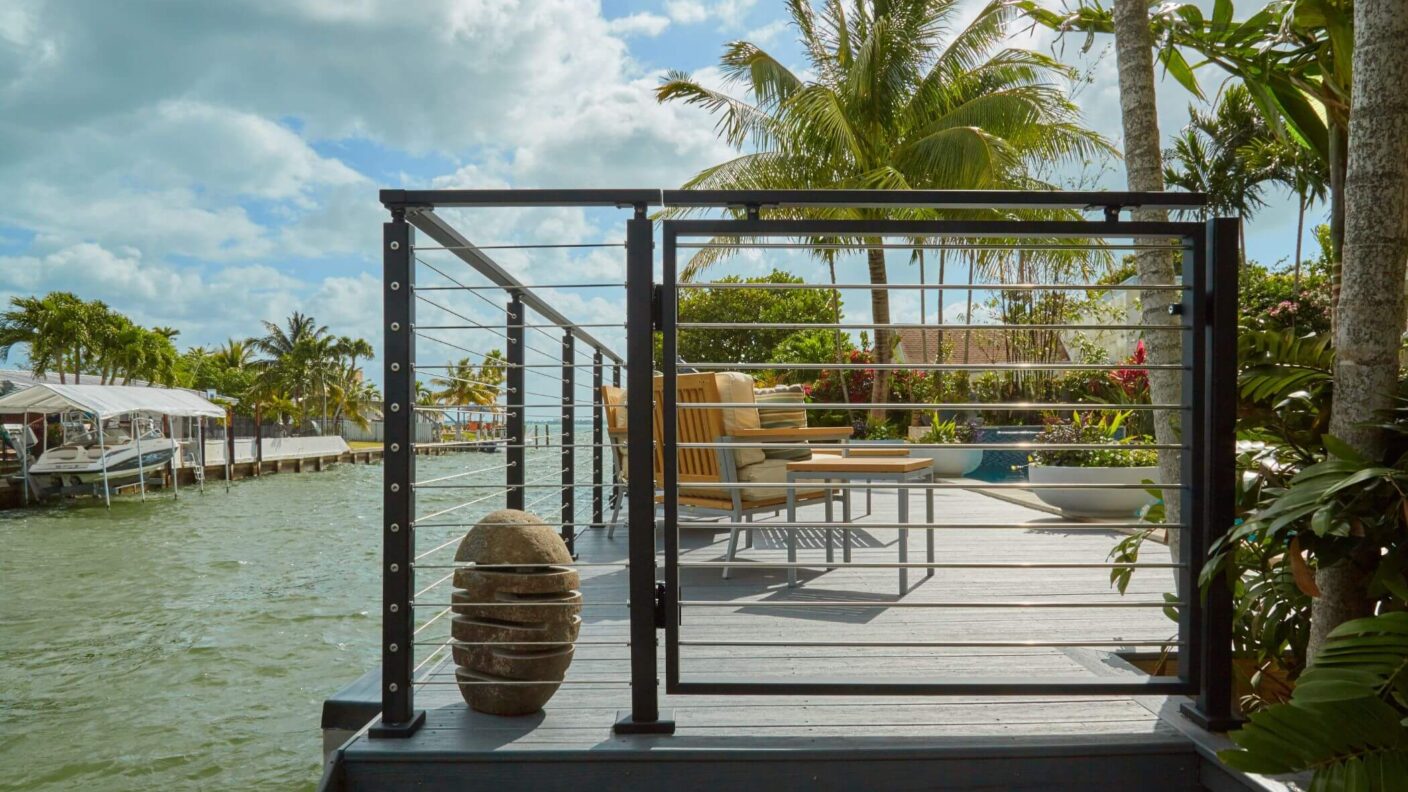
781,569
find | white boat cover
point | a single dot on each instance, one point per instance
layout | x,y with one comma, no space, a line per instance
106,401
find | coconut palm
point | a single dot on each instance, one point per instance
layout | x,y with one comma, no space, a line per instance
31,322
353,348
56,328
298,355
888,102
233,354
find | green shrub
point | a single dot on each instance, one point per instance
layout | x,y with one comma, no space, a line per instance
1108,430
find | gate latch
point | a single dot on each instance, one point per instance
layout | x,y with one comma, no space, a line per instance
659,605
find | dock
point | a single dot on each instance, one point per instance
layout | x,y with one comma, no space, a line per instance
785,742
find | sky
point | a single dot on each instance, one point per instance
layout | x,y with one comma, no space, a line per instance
206,166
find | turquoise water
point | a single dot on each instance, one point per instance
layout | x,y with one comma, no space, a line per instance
188,644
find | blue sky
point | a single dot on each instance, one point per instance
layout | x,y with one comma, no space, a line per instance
209,165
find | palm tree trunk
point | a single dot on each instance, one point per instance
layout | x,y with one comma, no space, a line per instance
1370,323
880,314
836,317
1300,232
1338,164
1144,164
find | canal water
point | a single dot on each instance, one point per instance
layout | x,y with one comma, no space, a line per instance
188,643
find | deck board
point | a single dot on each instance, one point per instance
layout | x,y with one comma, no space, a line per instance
577,722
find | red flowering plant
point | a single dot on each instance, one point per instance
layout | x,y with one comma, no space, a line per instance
1133,381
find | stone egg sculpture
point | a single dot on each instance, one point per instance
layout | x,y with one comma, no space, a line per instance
515,622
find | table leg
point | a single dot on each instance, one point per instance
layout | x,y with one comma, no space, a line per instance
830,518
903,496
929,516
791,532
846,531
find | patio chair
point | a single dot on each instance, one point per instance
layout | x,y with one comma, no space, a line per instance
613,404
700,467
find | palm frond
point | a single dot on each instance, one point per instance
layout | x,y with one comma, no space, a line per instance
769,81
738,122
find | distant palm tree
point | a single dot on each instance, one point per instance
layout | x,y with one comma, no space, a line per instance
57,329
298,354
889,101
233,354
353,348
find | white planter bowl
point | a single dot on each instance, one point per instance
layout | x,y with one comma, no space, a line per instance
1093,502
954,461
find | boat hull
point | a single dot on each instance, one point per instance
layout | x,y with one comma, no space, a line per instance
121,467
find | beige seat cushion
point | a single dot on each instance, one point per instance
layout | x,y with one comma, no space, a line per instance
772,472
737,388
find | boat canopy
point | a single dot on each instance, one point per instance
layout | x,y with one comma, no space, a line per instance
106,401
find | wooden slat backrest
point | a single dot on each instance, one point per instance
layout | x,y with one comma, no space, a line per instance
613,405
696,465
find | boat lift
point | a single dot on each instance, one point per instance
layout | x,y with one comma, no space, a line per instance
105,402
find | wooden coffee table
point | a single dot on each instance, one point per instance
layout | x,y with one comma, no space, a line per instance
900,470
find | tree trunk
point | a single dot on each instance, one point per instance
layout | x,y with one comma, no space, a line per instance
1337,165
880,314
1370,310
840,351
1134,51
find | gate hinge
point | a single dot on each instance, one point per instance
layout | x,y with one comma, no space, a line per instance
657,295
660,605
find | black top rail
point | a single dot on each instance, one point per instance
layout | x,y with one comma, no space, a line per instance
882,199
442,232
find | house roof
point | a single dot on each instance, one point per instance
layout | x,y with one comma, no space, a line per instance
964,346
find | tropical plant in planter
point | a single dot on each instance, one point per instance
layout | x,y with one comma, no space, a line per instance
947,461
1118,464
876,431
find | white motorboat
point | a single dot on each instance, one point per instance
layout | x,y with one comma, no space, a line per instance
119,450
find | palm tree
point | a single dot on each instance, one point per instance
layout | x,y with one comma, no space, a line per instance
233,354
29,322
1144,173
353,348
1210,156
887,103
1369,332
298,355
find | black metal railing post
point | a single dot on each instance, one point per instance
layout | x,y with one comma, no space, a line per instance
399,718
517,438
645,715
598,458
1213,642
568,511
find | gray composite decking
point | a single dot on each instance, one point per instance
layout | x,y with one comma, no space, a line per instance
788,742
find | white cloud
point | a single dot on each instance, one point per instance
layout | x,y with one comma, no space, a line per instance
729,13
686,12
768,34
639,24
207,305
